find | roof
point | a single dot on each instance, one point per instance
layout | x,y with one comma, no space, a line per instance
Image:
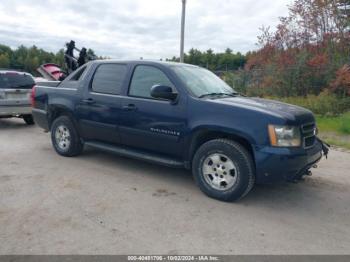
5,71
151,62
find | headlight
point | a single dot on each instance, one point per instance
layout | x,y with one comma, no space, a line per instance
284,136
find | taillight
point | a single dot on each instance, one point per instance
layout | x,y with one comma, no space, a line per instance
32,96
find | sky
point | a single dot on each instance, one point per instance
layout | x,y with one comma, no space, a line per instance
130,29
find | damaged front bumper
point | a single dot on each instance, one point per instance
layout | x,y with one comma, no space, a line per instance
286,164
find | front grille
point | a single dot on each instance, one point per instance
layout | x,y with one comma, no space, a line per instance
308,134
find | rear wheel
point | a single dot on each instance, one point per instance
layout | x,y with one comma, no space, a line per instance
65,137
223,169
28,119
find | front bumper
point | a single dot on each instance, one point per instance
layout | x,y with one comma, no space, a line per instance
15,110
284,164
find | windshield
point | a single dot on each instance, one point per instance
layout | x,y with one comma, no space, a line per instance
16,81
202,82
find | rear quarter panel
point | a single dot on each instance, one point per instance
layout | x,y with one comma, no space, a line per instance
48,99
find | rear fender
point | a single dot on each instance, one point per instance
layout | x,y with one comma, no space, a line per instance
55,111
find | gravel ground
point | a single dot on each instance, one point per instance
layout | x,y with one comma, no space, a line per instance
100,203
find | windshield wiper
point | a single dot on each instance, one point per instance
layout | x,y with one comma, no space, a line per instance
219,94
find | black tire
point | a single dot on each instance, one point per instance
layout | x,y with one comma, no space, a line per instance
28,119
244,172
75,146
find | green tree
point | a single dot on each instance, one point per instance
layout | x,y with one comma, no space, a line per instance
4,60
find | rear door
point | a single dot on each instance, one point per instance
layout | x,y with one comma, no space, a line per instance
15,88
99,108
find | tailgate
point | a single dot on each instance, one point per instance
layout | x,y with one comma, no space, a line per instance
15,96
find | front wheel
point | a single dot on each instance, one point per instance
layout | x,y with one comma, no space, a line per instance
65,138
223,169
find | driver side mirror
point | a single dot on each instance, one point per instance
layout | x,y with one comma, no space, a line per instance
163,92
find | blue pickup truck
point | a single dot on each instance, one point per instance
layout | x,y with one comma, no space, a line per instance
180,116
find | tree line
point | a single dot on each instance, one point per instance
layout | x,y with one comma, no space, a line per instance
28,59
222,61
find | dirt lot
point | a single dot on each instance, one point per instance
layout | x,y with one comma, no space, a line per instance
100,203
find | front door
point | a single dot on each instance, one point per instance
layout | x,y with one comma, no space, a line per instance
148,123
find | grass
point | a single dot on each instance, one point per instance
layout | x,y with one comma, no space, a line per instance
332,116
336,142
335,130
338,124
324,104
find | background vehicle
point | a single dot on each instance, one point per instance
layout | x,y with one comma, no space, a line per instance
180,116
15,89
51,72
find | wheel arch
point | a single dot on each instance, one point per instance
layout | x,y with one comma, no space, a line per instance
55,111
203,135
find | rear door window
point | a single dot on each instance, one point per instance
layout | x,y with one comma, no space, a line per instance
16,81
109,79
77,75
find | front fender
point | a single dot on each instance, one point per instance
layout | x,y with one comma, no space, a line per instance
207,132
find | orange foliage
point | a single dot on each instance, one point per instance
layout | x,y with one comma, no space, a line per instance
262,57
268,81
302,55
286,59
341,84
318,60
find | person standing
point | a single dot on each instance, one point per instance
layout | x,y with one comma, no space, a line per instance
82,57
69,57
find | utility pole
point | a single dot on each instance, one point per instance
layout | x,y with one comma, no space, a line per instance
182,31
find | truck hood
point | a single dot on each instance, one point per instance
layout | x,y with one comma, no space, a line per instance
286,111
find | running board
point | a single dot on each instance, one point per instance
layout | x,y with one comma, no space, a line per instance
137,154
